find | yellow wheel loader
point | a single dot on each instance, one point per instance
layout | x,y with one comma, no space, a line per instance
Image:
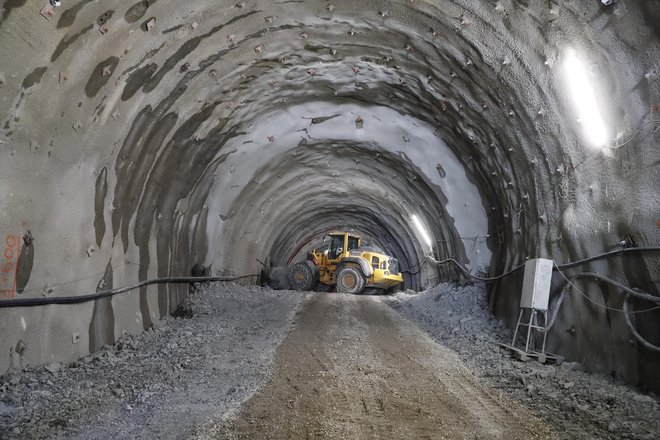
344,263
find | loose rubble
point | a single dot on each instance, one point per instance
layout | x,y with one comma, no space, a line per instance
163,383
579,404
189,370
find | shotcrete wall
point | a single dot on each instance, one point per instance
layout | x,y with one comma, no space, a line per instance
138,139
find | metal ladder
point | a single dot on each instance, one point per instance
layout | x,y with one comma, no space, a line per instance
532,325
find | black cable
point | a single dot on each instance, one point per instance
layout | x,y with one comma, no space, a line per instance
609,254
418,270
637,294
636,134
634,331
467,272
32,302
629,292
562,266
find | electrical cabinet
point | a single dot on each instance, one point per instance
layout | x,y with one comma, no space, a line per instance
536,284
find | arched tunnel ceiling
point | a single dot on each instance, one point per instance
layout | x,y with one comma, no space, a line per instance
163,134
187,112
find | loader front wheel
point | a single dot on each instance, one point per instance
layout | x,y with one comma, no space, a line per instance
350,280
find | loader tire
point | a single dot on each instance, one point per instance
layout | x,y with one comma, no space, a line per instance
302,276
350,280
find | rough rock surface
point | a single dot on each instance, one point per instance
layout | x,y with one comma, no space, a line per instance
161,384
579,404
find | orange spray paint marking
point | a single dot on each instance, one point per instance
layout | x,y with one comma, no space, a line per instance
658,224
9,258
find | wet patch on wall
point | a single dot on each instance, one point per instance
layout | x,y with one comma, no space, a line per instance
25,263
67,41
187,48
99,205
137,79
101,76
68,17
103,18
34,77
10,5
137,11
102,325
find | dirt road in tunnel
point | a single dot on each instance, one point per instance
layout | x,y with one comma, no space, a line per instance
250,362
354,368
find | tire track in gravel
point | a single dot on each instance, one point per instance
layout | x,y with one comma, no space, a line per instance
354,368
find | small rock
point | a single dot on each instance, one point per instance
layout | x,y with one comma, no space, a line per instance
53,367
568,385
572,366
159,324
644,399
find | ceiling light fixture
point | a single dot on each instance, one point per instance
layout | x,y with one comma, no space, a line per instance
422,231
582,94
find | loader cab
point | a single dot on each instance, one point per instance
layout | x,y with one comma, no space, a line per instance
340,245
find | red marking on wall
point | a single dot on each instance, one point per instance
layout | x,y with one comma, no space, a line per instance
11,249
658,224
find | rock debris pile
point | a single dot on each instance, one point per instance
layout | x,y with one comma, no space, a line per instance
579,404
162,383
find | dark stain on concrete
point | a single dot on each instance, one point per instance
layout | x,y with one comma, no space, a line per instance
68,17
103,18
441,171
34,77
99,205
199,234
102,325
138,10
25,263
168,173
10,5
137,79
147,56
181,169
187,48
651,14
67,41
98,79
172,29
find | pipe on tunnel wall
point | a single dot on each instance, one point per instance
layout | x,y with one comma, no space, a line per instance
147,137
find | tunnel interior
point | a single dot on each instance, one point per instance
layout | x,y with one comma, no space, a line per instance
141,140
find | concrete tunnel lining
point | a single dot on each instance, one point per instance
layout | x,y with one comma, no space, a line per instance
130,149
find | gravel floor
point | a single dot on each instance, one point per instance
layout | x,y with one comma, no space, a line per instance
579,405
175,379
165,383
353,368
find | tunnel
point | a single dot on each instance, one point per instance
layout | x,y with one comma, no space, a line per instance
141,138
